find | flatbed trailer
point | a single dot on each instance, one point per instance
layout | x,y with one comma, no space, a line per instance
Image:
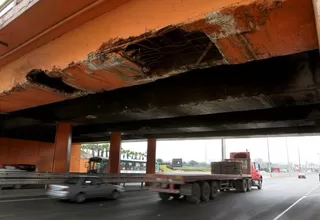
196,187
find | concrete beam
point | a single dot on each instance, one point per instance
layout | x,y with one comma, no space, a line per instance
224,23
240,133
294,115
282,81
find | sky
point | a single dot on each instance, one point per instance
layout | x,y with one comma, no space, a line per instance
210,149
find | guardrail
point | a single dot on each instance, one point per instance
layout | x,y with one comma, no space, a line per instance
27,178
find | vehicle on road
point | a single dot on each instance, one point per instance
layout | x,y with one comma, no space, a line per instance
100,165
196,187
78,189
301,176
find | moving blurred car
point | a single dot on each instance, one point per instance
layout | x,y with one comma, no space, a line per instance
78,189
301,176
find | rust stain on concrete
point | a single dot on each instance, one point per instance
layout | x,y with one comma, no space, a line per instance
239,33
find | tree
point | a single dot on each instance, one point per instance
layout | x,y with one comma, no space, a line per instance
203,164
96,149
159,160
193,163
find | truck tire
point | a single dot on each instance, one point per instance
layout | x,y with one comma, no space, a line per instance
205,191
214,190
241,185
244,187
164,196
249,185
196,193
259,184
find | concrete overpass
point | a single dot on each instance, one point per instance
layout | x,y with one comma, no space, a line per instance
141,69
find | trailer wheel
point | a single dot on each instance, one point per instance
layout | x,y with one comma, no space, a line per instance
249,185
205,191
214,190
196,193
164,196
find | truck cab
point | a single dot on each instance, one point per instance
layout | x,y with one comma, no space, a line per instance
254,167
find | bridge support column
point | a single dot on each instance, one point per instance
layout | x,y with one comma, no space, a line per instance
114,154
75,158
151,156
62,148
223,149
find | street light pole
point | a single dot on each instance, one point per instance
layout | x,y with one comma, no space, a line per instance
205,152
223,149
269,164
299,158
288,155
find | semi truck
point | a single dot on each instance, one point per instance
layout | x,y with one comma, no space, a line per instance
196,187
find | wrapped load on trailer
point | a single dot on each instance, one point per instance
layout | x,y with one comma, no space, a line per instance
236,173
226,167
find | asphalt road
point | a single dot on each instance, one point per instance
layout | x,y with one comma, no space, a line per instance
280,199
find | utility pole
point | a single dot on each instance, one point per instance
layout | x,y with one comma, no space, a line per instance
299,158
269,164
223,149
205,152
289,168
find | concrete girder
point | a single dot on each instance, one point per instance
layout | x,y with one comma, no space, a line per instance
285,81
237,33
239,133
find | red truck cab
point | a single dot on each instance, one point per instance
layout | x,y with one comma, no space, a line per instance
254,167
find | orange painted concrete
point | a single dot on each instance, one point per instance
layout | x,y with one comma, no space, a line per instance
60,159
242,30
75,160
47,20
27,97
83,168
115,153
14,151
151,156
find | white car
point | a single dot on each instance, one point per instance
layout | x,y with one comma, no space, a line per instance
79,189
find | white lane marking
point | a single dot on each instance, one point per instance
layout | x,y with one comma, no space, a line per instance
296,202
23,200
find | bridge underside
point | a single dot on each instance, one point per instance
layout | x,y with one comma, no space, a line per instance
268,97
107,50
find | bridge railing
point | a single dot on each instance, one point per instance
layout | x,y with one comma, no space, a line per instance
27,178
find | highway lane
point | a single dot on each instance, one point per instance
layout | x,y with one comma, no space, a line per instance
271,203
